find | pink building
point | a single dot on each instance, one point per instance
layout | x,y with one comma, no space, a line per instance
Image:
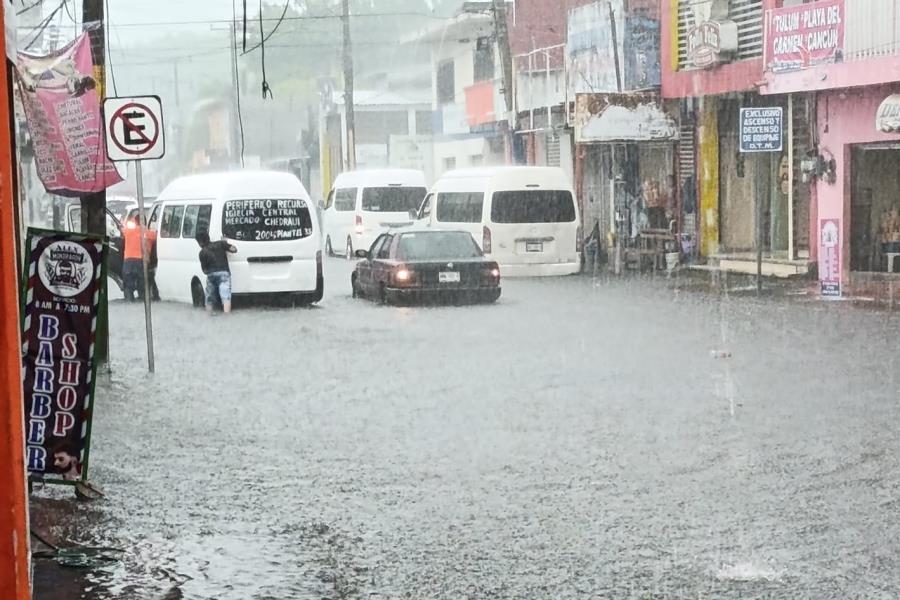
850,76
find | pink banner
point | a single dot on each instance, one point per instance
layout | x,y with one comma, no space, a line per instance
60,98
830,256
798,37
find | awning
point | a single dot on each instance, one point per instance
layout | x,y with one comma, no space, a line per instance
638,117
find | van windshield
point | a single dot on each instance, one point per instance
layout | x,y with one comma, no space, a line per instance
266,220
533,206
392,199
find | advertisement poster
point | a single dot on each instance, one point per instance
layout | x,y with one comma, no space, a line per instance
830,257
642,39
59,320
637,117
62,107
589,48
799,37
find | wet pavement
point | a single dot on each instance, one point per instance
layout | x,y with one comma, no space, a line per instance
579,439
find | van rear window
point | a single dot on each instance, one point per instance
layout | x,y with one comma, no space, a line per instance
392,199
533,206
266,220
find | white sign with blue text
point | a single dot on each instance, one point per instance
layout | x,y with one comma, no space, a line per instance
762,129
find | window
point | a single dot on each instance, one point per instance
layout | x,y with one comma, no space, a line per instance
476,160
484,59
424,122
171,221
460,207
266,220
384,252
196,219
376,245
449,163
392,199
425,210
154,217
533,206
446,84
345,200
438,245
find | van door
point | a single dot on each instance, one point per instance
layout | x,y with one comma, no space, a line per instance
534,226
340,214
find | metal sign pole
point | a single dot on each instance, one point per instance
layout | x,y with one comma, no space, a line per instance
760,217
145,262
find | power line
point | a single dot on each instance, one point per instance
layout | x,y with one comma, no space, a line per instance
112,73
43,25
264,39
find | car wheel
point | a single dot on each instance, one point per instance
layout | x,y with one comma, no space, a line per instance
349,249
198,298
329,251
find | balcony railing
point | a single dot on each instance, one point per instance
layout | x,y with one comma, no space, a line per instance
872,29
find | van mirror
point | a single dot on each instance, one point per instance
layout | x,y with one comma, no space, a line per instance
413,214
362,253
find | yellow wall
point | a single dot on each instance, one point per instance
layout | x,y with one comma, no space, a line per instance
673,30
708,158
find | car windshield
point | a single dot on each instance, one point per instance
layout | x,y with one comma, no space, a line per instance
266,220
392,199
437,246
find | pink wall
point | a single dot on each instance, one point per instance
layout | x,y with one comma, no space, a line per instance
845,117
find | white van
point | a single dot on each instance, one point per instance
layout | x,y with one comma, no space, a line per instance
364,204
267,216
526,218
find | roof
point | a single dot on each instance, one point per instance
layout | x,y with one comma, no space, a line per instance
462,26
235,184
381,177
506,177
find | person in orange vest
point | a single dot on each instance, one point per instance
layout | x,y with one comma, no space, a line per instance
132,267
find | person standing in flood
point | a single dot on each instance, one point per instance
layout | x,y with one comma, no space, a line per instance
132,266
214,262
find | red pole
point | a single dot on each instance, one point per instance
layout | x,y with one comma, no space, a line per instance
14,549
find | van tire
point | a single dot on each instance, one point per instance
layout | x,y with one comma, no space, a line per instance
329,251
349,249
198,297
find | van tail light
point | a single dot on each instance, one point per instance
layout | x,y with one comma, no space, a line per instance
579,239
359,225
486,240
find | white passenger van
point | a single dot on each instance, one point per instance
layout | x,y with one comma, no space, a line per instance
526,218
364,204
267,216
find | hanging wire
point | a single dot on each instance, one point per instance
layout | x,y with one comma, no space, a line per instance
265,39
237,75
266,90
43,25
106,28
245,28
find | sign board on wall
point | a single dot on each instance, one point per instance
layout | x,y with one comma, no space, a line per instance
887,119
798,37
622,117
712,42
590,53
62,293
830,257
762,129
642,39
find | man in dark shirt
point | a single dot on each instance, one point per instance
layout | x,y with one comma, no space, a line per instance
214,262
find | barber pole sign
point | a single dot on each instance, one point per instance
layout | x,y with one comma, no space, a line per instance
59,321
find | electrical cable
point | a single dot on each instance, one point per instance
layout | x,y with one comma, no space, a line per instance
245,27
265,38
237,74
266,90
106,28
29,7
39,29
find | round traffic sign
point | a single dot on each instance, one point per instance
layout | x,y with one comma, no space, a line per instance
133,137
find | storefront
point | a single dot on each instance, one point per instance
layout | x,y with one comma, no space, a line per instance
626,145
858,186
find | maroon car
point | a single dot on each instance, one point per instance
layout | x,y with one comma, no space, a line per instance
416,264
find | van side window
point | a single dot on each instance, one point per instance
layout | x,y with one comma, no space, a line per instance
154,218
194,220
425,209
171,221
460,207
329,200
345,200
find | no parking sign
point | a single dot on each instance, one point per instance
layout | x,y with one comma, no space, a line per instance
134,128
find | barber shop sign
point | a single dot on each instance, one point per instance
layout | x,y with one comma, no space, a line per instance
59,322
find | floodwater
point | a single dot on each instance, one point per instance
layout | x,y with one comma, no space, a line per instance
578,439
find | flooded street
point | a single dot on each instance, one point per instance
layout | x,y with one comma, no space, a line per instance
575,440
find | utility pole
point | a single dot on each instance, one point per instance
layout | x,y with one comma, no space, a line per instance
93,206
348,89
15,552
501,32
